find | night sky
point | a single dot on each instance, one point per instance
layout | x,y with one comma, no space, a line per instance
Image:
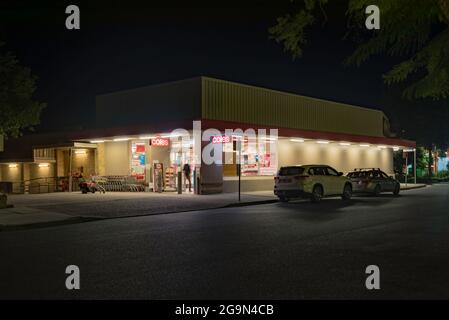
127,44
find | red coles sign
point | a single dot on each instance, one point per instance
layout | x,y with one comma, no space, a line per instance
160,142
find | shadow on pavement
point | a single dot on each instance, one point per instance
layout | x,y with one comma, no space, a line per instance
336,205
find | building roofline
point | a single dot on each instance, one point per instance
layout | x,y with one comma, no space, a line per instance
291,94
201,78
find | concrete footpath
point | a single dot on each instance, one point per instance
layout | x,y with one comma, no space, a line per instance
36,210
410,186
57,208
17,218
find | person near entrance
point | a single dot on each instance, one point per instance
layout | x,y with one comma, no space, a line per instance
186,170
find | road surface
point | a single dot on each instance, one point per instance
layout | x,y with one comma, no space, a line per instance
295,250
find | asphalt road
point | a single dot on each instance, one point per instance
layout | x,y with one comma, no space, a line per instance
278,251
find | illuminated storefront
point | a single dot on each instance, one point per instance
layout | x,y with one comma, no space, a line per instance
135,136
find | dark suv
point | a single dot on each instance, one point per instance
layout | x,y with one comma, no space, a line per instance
371,180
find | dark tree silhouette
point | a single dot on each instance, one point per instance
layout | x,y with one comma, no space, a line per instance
18,110
416,30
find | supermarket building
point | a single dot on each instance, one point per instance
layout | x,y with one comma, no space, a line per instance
135,138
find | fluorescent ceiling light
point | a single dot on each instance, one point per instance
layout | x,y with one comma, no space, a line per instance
121,139
43,165
395,148
322,142
147,137
297,140
80,151
169,136
13,165
174,135
382,147
97,141
364,145
345,144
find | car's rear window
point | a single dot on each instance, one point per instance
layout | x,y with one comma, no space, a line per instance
359,174
291,171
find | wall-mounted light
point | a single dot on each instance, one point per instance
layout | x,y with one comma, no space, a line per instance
121,139
297,140
322,142
345,144
12,165
364,145
44,165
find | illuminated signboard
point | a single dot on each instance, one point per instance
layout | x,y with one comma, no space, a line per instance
221,139
159,142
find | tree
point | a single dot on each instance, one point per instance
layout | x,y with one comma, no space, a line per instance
18,110
415,30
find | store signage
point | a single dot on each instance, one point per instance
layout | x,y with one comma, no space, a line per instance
221,139
160,142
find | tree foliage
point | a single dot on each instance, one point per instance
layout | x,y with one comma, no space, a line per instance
18,110
415,30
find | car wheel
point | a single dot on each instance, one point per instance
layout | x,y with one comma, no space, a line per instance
347,192
283,199
397,189
377,190
317,193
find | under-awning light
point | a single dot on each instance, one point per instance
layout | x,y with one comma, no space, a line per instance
297,140
121,139
322,142
364,145
345,144
97,141
43,165
12,165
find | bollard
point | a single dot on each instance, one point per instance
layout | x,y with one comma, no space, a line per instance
3,201
179,182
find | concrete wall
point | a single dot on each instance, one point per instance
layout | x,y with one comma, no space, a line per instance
101,161
11,174
14,175
116,158
248,184
85,161
342,158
